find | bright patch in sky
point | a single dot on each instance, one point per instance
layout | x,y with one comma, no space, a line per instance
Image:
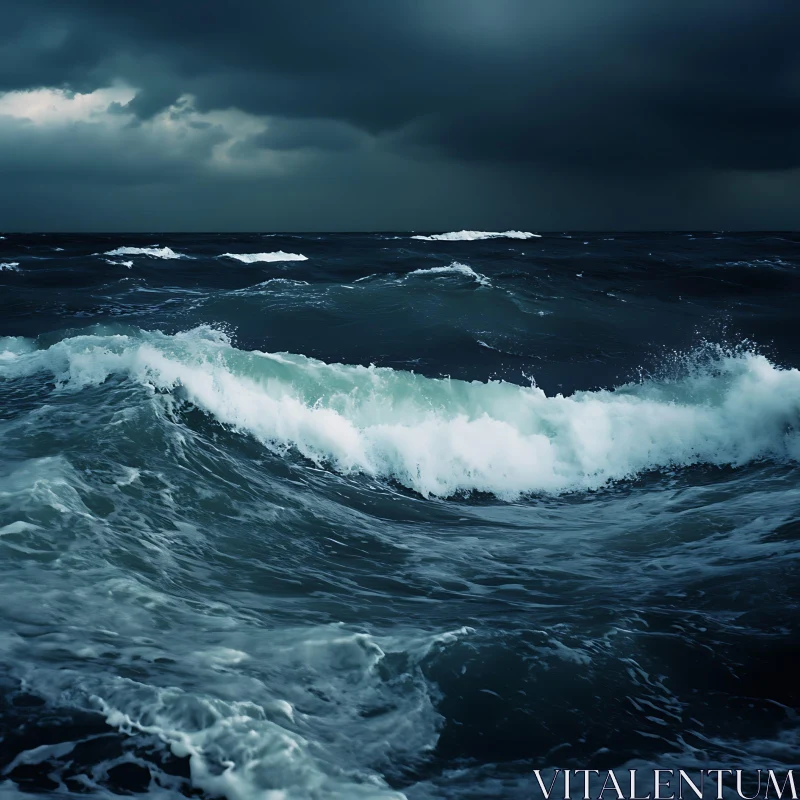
53,106
208,136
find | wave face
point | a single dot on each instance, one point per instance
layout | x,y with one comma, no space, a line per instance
443,437
409,522
254,258
472,236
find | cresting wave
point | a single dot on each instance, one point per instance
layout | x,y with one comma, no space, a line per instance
154,252
441,437
472,236
253,258
456,268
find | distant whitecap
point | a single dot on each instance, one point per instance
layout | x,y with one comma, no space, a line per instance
471,236
153,252
253,258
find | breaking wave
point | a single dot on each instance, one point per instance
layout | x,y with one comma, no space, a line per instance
253,258
10,266
153,252
471,236
456,268
442,437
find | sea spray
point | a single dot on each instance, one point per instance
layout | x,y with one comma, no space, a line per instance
442,437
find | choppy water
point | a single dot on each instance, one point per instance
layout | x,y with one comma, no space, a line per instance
403,517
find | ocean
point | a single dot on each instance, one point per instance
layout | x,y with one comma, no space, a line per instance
395,514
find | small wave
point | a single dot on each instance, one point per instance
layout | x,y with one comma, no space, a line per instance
153,252
456,268
283,282
10,266
127,264
758,263
265,286
443,437
471,236
253,258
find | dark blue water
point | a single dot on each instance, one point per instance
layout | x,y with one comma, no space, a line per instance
401,518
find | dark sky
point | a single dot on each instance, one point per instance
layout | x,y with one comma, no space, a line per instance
399,114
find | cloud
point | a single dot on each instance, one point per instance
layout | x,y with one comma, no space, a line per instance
284,134
45,133
518,94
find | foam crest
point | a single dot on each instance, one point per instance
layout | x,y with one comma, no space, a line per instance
443,437
11,347
154,252
10,266
471,236
456,268
254,258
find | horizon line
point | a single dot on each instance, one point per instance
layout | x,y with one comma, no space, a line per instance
374,231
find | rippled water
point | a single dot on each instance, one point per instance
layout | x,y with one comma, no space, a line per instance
403,517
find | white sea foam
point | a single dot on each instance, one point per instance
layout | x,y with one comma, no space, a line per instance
10,266
471,236
253,258
441,437
455,268
13,346
306,738
127,264
153,252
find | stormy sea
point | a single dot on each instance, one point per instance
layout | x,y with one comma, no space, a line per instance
395,515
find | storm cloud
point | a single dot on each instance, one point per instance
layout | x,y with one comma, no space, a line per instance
405,114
